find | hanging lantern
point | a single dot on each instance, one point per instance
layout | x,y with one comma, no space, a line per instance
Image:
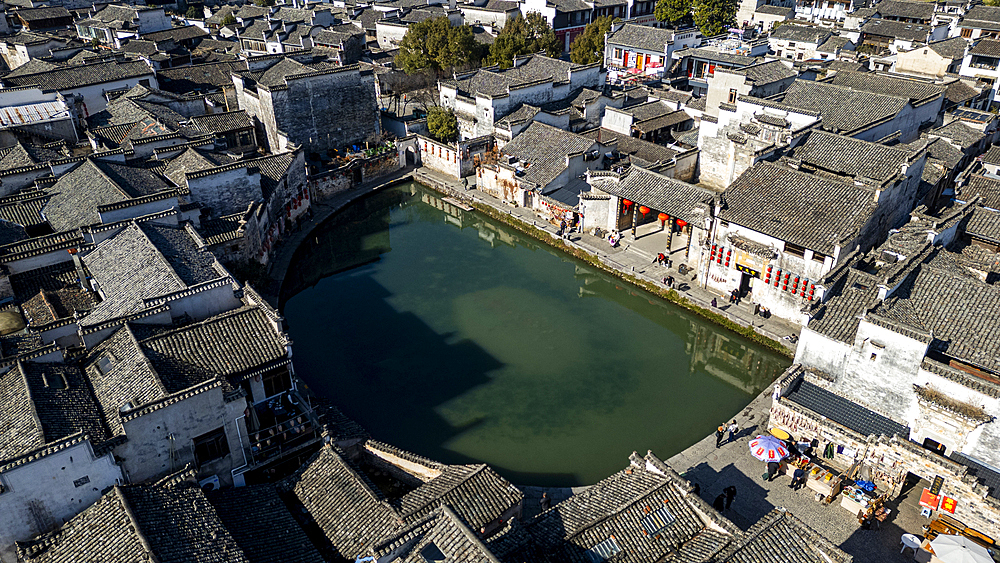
682,223
644,210
663,217
627,205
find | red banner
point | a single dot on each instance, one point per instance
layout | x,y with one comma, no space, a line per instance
927,500
948,504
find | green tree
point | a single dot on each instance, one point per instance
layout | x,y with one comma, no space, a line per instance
229,20
672,11
588,47
991,2
713,17
263,3
442,124
194,13
524,36
435,44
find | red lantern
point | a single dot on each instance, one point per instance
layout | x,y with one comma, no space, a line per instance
663,217
644,210
682,223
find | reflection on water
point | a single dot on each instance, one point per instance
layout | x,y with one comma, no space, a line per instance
453,336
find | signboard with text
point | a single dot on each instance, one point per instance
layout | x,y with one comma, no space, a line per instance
948,504
928,499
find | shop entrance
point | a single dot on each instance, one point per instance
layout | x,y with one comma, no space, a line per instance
745,284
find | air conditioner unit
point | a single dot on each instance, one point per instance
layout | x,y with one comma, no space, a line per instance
210,483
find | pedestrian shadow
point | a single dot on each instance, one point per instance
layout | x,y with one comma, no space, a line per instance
751,503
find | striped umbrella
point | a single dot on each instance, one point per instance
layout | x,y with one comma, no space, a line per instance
768,448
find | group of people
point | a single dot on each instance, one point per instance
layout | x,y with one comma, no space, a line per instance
734,296
614,238
564,230
733,429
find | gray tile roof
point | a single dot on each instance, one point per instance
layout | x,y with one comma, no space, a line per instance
659,193
448,535
227,346
496,82
168,521
78,193
953,48
775,10
262,526
56,397
799,208
986,48
961,312
766,73
222,229
906,10
897,29
192,160
843,109
991,156
986,188
73,77
984,224
982,16
643,152
545,148
843,411
958,92
25,210
781,536
958,131
204,77
144,261
475,492
349,510
735,61
617,507
851,294
643,37
48,306
915,90
801,33
851,157
834,44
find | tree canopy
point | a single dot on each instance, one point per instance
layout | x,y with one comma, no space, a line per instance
588,47
524,36
713,17
672,11
194,13
230,19
442,124
435,44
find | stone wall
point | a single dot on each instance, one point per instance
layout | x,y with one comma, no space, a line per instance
161,441
226,190
42,494
321,112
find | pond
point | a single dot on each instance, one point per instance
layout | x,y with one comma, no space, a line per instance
451,335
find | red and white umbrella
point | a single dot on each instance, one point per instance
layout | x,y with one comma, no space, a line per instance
768,448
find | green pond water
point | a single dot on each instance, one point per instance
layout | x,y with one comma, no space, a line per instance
453,336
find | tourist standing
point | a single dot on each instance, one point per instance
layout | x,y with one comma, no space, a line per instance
719,434
546,502
730,495
733,429
720,502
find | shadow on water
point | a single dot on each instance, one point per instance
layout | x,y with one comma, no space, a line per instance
464,341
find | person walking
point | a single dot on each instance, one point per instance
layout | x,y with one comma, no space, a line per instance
730,495
715,304
719,434
733,429
720,502
545,502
